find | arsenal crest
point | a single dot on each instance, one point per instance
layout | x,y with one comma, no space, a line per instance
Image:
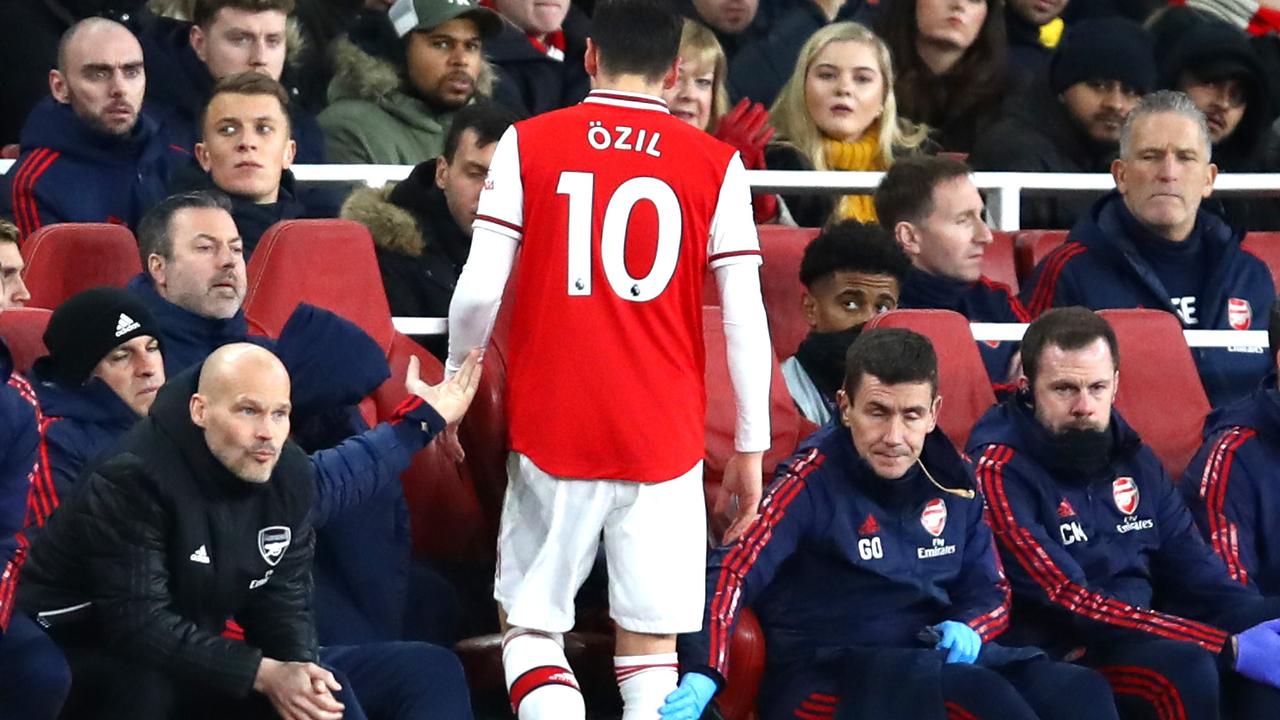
1125,492
272,543
1239,313
934,517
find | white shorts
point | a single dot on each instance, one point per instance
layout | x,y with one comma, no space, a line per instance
655,541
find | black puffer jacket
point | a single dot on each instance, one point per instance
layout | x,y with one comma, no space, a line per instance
163,545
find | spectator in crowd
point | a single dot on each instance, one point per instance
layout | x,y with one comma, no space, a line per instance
873,532
1071,122
422,225
245,150
157,619
851,272
538,55
838,112
193,285
226,37
1231,486
732,21
699,96
934,211
1217,68
1034,28
1256,17
398,111
89,152
1105,562
37,679
13,290
1150,244
950,58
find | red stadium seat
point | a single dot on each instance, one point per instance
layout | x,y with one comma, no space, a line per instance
65,258
23,331
1030,247
783,247
998,261
746,666
962,378
10,152
1160,391
1266,247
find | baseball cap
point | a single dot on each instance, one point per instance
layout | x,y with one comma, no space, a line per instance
409,15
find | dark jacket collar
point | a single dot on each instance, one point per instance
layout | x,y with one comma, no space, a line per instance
54,125
1259,411
1013,423
922,289
187,337
94,402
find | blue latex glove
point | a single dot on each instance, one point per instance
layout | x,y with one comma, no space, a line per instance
690,699
963,643
1258,653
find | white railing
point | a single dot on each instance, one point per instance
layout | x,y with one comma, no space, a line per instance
1004,190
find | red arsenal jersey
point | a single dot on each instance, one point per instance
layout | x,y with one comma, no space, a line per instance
619,208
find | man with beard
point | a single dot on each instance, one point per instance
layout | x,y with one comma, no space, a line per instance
851,272
934,211
1151,244
1070,121
89,154
389,114
1106,565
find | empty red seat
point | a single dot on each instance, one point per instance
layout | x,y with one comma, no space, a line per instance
1030,247
1160,390
23,331
782,248
1266,247
65,258
962,378
998,260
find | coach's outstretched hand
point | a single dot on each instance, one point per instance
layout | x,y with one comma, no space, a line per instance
960,640
690,699
738,500
1258,653
451,397
299,690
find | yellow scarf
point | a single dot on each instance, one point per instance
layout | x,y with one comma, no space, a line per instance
861,154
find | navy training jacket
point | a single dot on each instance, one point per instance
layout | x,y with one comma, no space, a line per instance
1090,558
19,442
840,558
1100,267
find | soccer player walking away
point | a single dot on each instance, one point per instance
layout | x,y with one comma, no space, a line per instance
620,208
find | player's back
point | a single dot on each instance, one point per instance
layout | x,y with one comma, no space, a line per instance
619,201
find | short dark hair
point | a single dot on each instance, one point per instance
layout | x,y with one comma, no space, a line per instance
206,10
894,355
154,237
488,120
636,37
1068,328
850,246
9,232
249,83
905,192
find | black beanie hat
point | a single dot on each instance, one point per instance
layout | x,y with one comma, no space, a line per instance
1107,48
88,325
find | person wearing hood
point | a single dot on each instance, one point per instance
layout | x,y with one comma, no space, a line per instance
538,55
1231,483
934,211
90,154
245,151
1151,244
185,60
1106,565
396,111
873,573
1070,121
1220,71
851,272
421,226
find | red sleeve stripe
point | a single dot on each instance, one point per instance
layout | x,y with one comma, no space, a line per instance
1058,588
955,711
502,223
1223,534
1010,298
724,602
733,253
411,403
26,211
989,625
1149,686
1042,296
42,498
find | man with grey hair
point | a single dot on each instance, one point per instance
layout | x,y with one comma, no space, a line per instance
89,152
1150,244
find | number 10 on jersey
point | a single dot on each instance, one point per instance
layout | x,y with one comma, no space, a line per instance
579,187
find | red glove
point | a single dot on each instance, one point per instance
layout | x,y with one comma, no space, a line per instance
747,128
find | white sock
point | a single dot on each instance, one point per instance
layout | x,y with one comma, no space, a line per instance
644,681
539,681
